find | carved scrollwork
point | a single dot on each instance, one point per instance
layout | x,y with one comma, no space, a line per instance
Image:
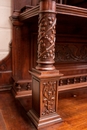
49,92
71,53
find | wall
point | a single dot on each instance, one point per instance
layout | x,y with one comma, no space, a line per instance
5,27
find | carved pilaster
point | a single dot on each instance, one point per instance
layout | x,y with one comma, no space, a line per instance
46,35
21,85
44,110
16,44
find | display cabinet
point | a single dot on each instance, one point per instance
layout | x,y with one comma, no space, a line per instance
49,53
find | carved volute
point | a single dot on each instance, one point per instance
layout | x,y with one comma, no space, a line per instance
46,35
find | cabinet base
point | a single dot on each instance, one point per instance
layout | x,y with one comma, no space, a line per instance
44,121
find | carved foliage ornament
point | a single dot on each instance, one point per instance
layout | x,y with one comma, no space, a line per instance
49,95
71,52
46,37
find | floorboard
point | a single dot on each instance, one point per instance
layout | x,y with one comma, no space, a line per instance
72,110
2,122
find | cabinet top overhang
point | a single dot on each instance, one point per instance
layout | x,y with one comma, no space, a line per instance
60,9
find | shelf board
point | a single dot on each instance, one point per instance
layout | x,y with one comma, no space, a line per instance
29,13
60,9
71,10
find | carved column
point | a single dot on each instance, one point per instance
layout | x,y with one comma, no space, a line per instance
46,35
45,78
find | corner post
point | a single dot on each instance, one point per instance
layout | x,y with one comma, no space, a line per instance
46,35
45,78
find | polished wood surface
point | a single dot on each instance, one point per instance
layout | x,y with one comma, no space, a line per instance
2,122
44,110
73,110
71,32
70,55
60,9
70,58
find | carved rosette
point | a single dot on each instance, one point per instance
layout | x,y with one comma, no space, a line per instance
49,97
46,40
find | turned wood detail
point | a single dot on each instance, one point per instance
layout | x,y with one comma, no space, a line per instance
22,85
49,93
46,35
72,79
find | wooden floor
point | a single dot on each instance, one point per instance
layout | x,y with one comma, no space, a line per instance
72,110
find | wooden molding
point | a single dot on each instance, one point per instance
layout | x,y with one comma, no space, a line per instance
60,9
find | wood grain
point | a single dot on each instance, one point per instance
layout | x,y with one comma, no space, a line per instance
73,110
2,122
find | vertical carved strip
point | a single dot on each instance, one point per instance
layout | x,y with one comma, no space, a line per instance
49,97
46,36
19,87
68,81
74,80
81,79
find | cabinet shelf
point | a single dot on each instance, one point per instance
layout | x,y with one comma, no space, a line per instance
60,9
71,10
29,13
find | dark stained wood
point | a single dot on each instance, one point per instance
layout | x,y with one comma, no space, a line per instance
22,88
21,55
71,34
71,10
81,3
13,115
45,77
20,46
35,2
70,52
73,110
71,60
2,122
44,98
46,35
60,8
